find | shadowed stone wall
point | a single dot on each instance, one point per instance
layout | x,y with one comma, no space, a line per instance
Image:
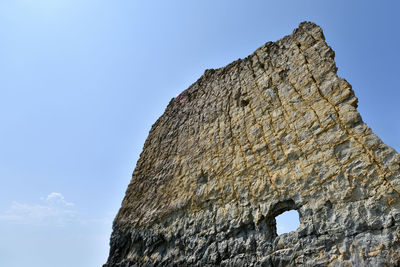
276,131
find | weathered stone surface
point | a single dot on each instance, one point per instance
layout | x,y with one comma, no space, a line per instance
275,131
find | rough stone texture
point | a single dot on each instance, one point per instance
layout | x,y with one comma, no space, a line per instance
275,131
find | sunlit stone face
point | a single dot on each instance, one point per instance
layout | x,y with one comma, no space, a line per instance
277,131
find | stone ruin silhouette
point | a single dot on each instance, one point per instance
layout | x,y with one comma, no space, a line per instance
276,131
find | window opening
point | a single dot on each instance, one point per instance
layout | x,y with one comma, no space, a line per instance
287,221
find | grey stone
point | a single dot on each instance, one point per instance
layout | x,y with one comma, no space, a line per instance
276,131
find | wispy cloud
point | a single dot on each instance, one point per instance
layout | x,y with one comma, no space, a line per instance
53,209
57,199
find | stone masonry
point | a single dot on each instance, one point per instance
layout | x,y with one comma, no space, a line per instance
276,131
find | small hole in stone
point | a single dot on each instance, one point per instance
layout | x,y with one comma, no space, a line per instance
244,102
287,221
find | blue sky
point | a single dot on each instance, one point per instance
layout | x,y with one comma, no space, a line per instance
82,81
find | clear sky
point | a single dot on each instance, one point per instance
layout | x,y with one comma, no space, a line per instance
82,81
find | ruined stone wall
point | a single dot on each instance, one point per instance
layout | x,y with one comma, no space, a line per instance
275,131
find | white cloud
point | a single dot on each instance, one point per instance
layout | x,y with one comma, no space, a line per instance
58,198
54,209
